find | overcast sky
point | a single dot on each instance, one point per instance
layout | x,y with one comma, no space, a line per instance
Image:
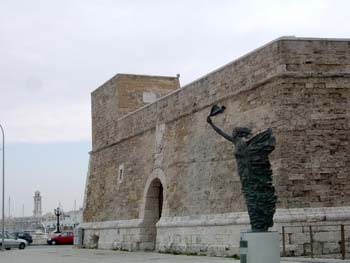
54,53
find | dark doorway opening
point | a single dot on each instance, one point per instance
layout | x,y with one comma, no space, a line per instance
153,212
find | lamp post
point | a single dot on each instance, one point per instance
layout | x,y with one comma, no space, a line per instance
58,213
3,189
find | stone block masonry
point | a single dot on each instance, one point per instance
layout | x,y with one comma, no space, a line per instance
160,179
123,94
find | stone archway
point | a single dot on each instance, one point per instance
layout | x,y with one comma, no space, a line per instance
153,207
152,213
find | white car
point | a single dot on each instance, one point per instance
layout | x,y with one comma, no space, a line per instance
12,242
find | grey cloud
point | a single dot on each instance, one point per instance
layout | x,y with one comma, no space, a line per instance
54,53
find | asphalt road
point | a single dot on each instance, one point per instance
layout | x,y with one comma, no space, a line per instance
68,254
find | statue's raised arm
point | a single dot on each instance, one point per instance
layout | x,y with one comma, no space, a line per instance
214,111
218,130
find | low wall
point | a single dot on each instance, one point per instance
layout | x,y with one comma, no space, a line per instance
218,235
116,235
325,237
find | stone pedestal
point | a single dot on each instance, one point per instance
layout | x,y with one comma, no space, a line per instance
259,247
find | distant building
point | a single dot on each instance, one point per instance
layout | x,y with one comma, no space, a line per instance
46,223
68,220
37,204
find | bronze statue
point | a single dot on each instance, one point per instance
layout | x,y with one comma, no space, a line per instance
254,169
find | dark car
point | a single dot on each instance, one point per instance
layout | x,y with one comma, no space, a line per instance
64,238
23,235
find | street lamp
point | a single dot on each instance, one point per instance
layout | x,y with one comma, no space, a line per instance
58,213
3,190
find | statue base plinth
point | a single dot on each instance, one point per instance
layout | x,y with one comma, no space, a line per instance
259,247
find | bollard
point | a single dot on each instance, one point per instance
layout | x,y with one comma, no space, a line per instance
342,233
311,242
283,241
243,250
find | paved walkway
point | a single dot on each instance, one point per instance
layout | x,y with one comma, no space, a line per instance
67,254
314,260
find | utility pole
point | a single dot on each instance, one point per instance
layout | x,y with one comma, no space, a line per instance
9,213
22,216
75,213
9,216
3,189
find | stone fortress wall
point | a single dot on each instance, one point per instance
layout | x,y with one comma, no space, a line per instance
160,178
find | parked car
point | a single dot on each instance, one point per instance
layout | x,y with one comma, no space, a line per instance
13,242
24,235
64,238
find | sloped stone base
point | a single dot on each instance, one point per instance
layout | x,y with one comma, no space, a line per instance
218,235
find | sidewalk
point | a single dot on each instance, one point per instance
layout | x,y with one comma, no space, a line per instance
313,260
68,254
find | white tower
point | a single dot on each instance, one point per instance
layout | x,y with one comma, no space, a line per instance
37,204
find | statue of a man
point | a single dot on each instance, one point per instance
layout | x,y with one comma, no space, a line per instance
254,170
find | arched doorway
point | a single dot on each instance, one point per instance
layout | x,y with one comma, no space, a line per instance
152,213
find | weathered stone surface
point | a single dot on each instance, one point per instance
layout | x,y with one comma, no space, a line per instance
123,94
298,87
218,234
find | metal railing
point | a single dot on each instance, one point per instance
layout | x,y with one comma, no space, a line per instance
311,232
